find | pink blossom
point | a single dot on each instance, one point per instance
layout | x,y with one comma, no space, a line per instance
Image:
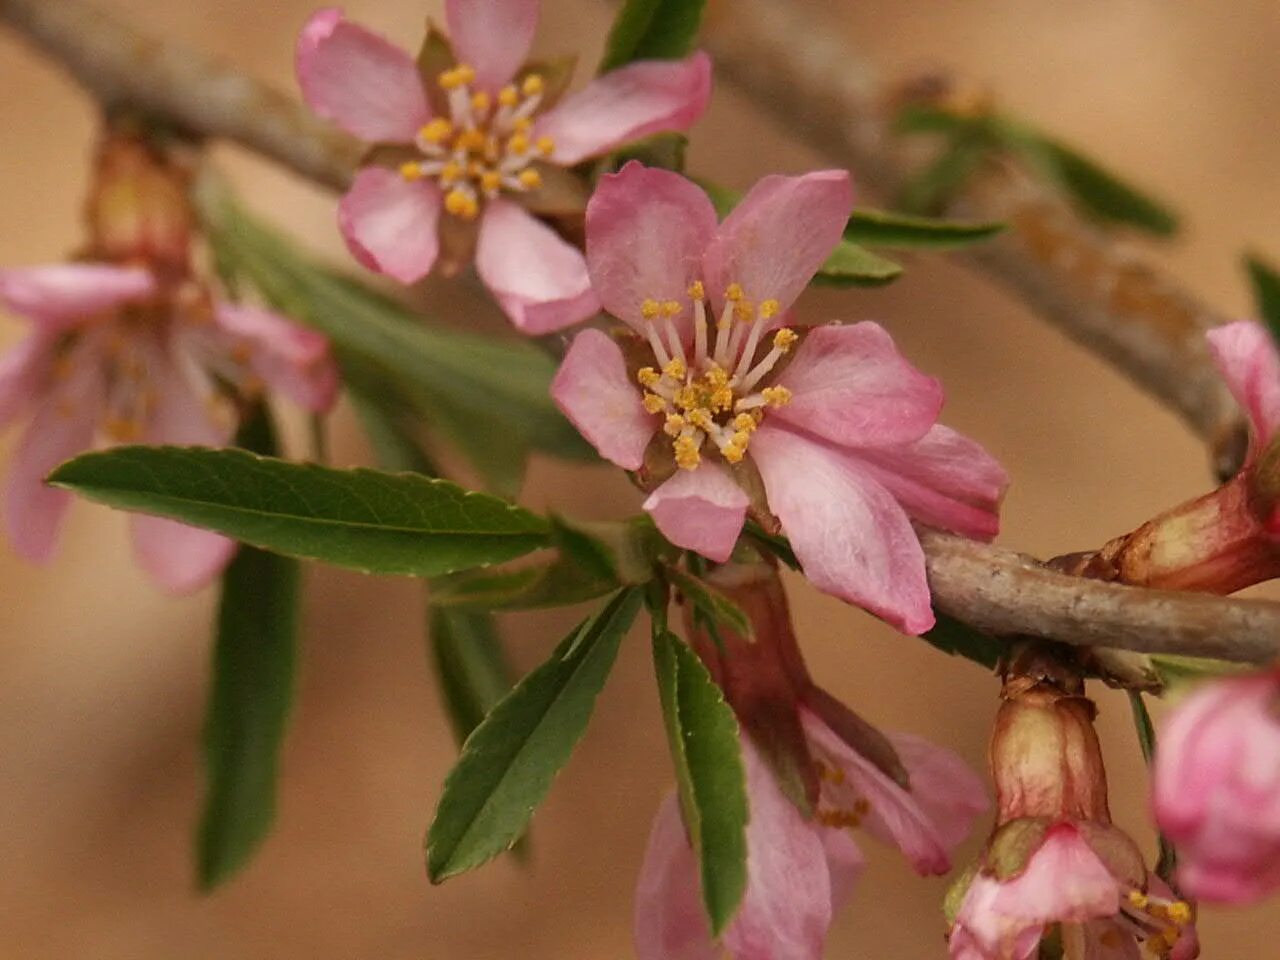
1066,881
1217,788
478,144
801,871
115,353
835,426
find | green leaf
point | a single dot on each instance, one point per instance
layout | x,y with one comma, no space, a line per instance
249,701
1266,292
470,666
853,266
703,735
959,639
664,150
509,761
879,228
390,435
488,389
559,582
934,186
1100,193
652,30
362,519
711,603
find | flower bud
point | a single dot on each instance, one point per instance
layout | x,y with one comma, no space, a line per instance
138,211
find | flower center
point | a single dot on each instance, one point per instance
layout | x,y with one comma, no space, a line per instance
1160,921
483,147
712,396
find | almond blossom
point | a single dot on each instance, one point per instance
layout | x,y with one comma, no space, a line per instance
470,145
725,408
1217,788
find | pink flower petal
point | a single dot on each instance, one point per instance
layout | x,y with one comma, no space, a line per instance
539,279
701,510
1246,356
65,294
852,538
646,233
774,241
943,479
845,864
945,787
352,76
786,910
1063,881
491,36
593,390
850,385
670,923
63,426
390,223
291,358
23,371
627,104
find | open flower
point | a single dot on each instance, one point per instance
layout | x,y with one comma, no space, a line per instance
117,354
801,867
478,140
1217,788
834,426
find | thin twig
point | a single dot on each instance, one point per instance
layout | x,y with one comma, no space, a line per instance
1107,298
810,80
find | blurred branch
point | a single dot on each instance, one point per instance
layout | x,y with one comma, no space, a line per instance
1004,592
785,57
1119,307
124,68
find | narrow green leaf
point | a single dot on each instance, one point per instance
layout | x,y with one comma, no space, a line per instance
509,761
652,30
1167,864
853,266
249,701
933,187
393,443
959,639
561,581
362,519
664,150
710,602
469,665
1266,292
880,228
703,736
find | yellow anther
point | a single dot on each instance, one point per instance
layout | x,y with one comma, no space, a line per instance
785,339
697,291
481,102
654,403
686,452
531,179
1179,912
650,308
744,422
411,171
769,308
461,204
451,172
546,145
745,311
734,453
436,131
673,425
532,85
700,419
522,125
490,181
733,292
675,369
518,144
508,96
671,307
472,141
459,76
720,399
1139,899
717,377
776,396
647,376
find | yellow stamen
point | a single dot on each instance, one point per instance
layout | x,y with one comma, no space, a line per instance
697,291
459,76
508,96
647,376
461,204
546,145
785,339
675,369
411,171
744,310
532,85
686,453
529,178
523,125
654,403
769,308
733,292
436,131
481,102
744,422
472,141
518,144
490,181
1179,912
1139,899
776,396
671,307
673,425
650,309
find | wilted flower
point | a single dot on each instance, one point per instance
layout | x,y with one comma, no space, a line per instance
799,746
1217,788
478,142
137,350
829,430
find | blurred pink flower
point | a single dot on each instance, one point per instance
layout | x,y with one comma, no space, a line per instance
477,141
801,871
835,426
1217,788
115,352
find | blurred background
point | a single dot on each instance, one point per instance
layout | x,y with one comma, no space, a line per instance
102,680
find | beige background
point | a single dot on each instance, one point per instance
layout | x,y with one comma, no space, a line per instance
102,679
